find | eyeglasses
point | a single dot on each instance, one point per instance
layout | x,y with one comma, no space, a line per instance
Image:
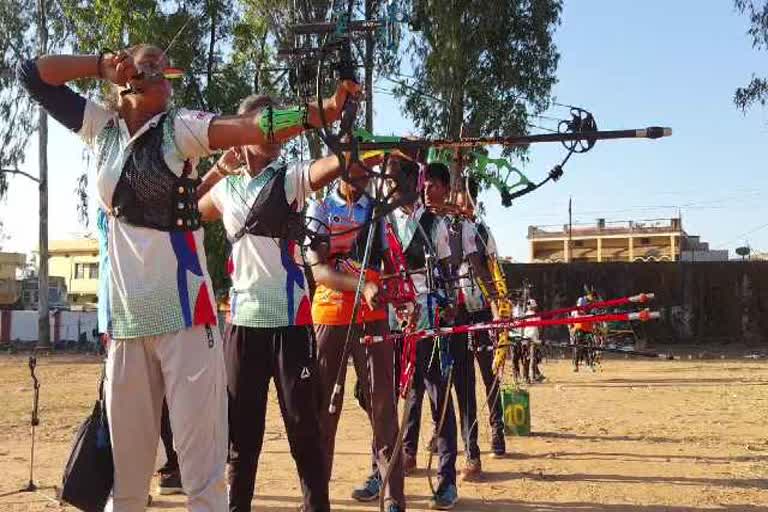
153,70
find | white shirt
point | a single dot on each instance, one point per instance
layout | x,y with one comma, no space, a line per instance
473,296
159,282
269,288
530,332
406,227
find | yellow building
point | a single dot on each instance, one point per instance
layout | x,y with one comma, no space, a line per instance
10,287
77,261
627,241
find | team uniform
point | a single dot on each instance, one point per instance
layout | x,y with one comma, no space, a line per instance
271,334
332,315
474,308
410,230
160,314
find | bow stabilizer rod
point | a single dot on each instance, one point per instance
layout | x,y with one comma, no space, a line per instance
651,132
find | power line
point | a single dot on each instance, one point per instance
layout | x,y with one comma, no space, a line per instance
741,236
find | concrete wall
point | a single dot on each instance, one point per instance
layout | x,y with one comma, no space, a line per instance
21,325
701,302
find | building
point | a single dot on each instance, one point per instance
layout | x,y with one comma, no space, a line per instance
622,241
11,264
77,261
57,292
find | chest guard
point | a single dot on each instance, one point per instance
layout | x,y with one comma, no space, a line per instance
415,253
148,194
271,215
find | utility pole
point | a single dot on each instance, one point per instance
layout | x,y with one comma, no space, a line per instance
570,231
43,322
369,42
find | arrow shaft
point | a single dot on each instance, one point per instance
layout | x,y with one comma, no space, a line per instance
515,324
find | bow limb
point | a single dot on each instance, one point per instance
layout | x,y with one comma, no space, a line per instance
401,293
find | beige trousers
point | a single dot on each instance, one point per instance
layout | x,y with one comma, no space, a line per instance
186,367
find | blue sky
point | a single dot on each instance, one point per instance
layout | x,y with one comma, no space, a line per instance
632,64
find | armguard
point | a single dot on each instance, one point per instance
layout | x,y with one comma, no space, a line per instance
274,121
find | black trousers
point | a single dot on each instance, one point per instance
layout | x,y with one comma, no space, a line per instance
465,351
429,378
166,434
253,357
375,373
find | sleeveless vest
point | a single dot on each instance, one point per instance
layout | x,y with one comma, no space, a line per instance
415,253
270,214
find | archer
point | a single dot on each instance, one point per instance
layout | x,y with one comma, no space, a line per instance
162,317
425,239
348,267
468,263
260,202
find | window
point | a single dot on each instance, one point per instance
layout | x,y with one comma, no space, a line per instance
86,270
579,243
645,241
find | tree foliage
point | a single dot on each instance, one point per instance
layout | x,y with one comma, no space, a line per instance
18,41
478,67
219,43
756,91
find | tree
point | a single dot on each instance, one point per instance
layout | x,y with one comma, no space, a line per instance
743,251
474,63
480,68
222,46
28,27
17,41
756,91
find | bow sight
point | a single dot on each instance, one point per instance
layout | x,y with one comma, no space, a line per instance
335,44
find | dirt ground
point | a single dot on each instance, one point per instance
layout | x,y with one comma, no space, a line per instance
643,436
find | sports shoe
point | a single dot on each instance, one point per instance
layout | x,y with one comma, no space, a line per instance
170,483
394,507
369,491
473,468
168,467
498,446
445,498
409,463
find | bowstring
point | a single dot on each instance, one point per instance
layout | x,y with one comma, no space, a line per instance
494,392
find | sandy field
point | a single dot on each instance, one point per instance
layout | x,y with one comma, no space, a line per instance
639,435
